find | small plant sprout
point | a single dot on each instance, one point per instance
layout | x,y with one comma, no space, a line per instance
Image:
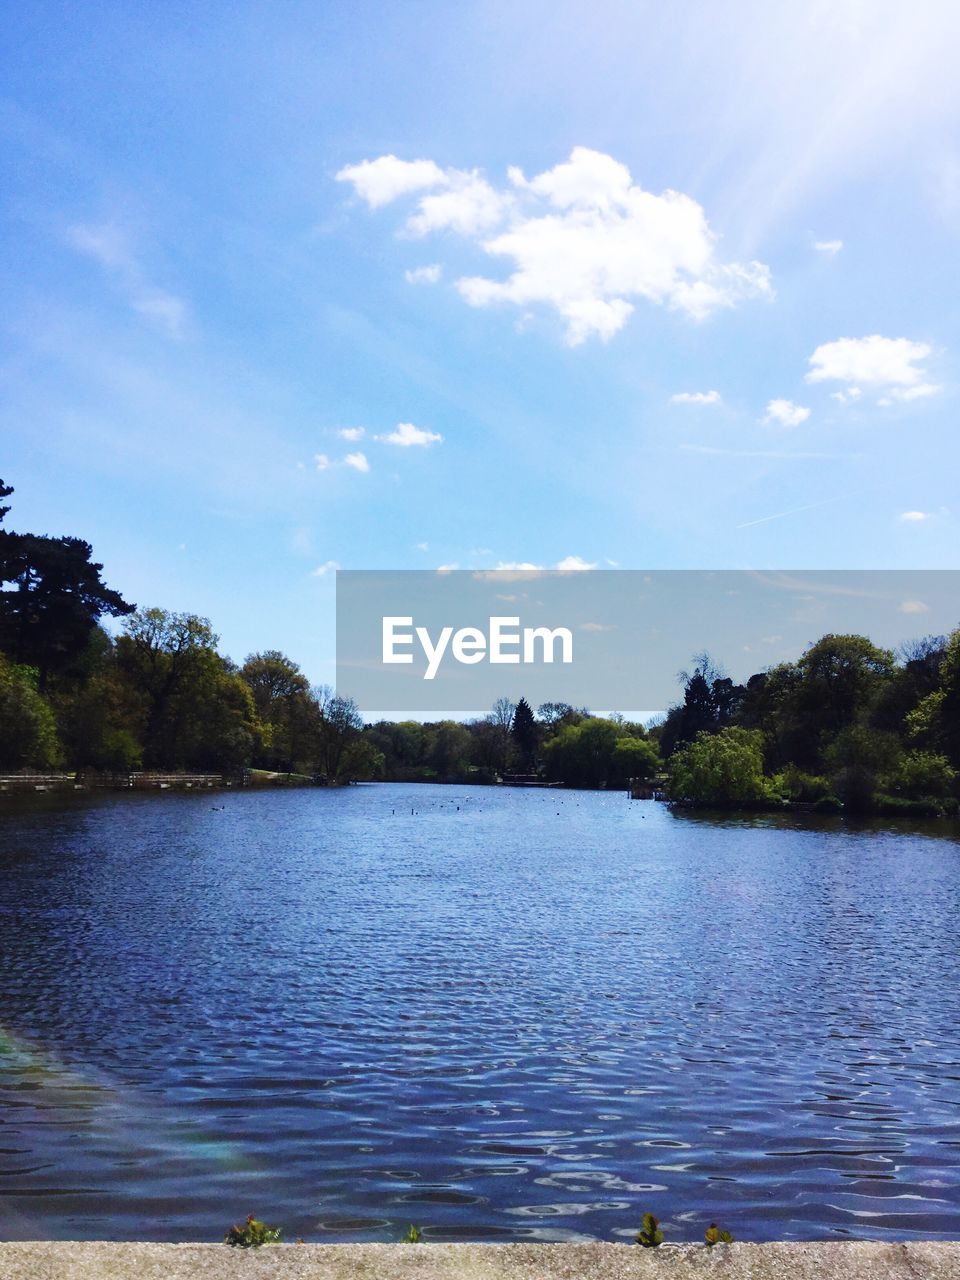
650,1235
252,1234
715,1235
414,1235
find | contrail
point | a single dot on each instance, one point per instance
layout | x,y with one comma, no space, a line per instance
780,514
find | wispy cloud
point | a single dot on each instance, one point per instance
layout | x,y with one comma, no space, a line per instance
781,515
108,245
829,248
718,452
696,397
424,275
351,433
328,566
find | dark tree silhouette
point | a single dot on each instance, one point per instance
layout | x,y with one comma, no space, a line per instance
524,732
51,599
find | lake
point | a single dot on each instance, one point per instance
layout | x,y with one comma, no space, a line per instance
498,1014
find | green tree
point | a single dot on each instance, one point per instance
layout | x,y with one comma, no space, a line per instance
28,732
723,768
288,720
857,761
199,713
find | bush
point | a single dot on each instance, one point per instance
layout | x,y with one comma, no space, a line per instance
28,731
252,1234
804,788
720,769
923,775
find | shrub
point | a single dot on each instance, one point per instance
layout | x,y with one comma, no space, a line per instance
252,1234
650,1235
717,1235
721,768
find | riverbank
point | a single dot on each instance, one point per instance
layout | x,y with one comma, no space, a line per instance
847,1260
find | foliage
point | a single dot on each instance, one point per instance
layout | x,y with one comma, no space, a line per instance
923,774
414,1235
28,731
252,1234
650,1234
596,752
721,769
52,598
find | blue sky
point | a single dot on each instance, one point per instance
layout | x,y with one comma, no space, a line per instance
222,252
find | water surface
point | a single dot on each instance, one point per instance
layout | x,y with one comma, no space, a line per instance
499,1014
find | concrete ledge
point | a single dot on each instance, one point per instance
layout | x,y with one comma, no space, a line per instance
848,1260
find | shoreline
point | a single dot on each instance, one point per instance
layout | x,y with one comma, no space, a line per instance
823,1260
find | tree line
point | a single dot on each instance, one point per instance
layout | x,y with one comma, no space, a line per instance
847,725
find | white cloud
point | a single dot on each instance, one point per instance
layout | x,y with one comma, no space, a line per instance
889,365
351,433
581,238
383,180
358,461
407,435
447,568
322,461
470,206
696,397
424,275
848,396
785,413
423,546
108,245
569,563
328,566
915,517
597,626
918,392
830,248
914,606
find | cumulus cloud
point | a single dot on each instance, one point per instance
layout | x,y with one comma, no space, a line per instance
358,461
889,365
383,180
574,563
915,517
581,238
785,413
322,461
696,397
351,433
424,275
406,435
328,566
829,248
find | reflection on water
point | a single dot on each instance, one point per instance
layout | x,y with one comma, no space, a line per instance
504,1015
